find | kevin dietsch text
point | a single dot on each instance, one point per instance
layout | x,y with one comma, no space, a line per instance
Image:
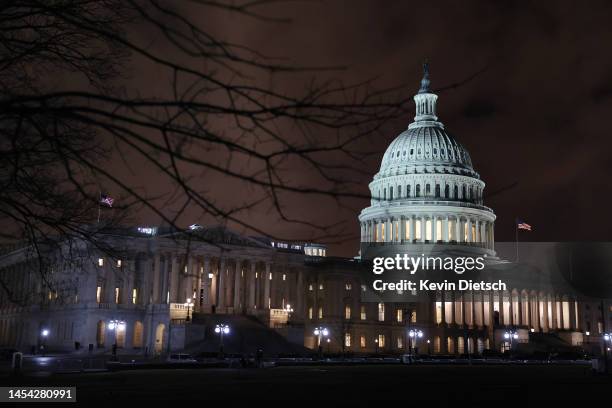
405,285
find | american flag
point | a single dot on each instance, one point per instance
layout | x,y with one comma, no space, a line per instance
523,225
106,199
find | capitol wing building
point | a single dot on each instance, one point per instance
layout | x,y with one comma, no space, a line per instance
163,289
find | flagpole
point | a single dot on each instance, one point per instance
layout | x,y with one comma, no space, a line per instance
516,229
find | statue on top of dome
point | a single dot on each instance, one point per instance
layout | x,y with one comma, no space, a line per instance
425,81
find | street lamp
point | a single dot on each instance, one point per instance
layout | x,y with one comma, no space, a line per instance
607,339
320,332
188,305
289,310
114,326
44,333
414,335
510,336
221,330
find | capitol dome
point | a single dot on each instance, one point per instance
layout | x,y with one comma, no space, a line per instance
428,149
426,191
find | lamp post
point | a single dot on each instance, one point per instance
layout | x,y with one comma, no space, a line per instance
510,336
607,341
44,333
221,330
414,335
320,332
289,310
429,347
189,305
114,326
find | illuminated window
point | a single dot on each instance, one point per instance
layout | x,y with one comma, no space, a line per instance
320,286
417,230
428,230
347,339
310,313
382,232
284,276
413,316
99,294
118,263
381,340
363,312
320,312
270,276
407,229
134,296
100,261
438,312
347,312
450,345
117,295
362,341
399,313
400,343
348,286
439,236
310,288
381,312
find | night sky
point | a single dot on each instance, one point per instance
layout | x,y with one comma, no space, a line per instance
536,116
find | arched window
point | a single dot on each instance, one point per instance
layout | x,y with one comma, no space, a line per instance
471,193
408,191
463,192
390,193
399,191
418,190
456,193
385,193
437,190
427,190
446,191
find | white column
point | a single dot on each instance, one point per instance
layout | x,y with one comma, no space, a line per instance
433,228
237,286
469,228
266,304
458,235
221,284
423,221
445,236
252,283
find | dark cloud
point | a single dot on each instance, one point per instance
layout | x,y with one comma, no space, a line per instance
547,72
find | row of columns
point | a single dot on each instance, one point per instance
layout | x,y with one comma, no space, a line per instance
542,312
223,284
431,228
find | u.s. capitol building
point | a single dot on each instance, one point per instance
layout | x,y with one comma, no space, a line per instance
163,289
